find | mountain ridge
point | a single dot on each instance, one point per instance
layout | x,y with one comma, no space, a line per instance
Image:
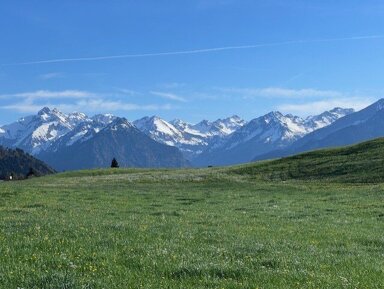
266,133
356,127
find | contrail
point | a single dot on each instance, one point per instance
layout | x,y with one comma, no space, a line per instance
196,51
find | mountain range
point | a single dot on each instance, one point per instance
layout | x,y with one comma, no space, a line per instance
363,125
190,139
76,141
263,134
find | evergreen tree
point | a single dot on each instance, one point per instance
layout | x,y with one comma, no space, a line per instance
31,173
114,163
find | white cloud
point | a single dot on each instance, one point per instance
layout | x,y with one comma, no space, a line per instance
129,92
316,107
172,85
48,94
51,75
278,92
86,105
71,100
170,96
101,104
23,107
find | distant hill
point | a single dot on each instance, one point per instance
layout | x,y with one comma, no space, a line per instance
119,139
17,163
361,163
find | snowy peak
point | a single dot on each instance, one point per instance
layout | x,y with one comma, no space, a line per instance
37,133
341,111
271,128
70,120
206,128
44,111
229,125
46,114
76,118
160,130
326,118
104,119
220,127
157,128
120,123
191,139
203,127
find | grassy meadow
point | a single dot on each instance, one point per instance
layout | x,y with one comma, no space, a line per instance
198,228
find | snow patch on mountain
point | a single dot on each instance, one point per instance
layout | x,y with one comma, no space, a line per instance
191,139
263,134
104,119
326,118
38,133
51,130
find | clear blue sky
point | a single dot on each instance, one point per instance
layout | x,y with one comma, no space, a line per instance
305,56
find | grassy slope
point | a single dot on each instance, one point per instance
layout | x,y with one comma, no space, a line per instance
208,228
362,163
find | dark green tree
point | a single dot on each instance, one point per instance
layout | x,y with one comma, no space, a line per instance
114,163
31,173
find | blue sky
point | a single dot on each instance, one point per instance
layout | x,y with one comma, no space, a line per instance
195,59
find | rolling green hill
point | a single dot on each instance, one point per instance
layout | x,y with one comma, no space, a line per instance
361,163
200,228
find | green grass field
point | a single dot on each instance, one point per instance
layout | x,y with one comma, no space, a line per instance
252,226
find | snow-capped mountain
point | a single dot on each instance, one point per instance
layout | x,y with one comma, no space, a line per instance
35,133
103,119
190,139
327,118
220,127
73,141
121,140
52,134
50,129
159,130
263,134
356,127
81,133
